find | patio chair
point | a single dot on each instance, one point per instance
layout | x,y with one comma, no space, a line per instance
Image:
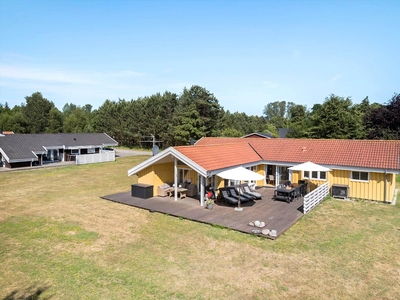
247,190
271,178
243,198
297,193
303,189
163,189
224,195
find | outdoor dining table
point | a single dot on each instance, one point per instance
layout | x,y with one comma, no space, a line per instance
286,194
181,192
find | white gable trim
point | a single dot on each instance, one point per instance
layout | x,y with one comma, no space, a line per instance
174,153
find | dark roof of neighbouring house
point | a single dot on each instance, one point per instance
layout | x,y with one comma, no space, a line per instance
282,132
22,147
259,135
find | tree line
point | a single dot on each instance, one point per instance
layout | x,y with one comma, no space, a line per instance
176,119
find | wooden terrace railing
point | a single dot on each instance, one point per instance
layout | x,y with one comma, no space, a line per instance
312,199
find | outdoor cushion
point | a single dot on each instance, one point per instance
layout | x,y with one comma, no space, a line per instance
246,188
225,196
243,198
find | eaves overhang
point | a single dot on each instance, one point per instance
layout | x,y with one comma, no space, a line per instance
364,169
110,144
21,159
336,167
31,159
53,147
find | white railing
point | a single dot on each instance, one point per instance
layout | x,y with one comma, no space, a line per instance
312,199
103,156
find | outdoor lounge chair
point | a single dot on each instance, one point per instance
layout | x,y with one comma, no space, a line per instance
224,195
242,192
247,190
243,198
163,189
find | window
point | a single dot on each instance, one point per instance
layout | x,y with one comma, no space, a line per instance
318,175
91,150
183,175
254,169
75,151
362,176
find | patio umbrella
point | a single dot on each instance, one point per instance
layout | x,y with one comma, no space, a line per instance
240,173
309,166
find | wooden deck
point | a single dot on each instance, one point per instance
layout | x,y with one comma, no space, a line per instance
277,215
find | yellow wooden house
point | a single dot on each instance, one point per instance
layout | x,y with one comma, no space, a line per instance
364,169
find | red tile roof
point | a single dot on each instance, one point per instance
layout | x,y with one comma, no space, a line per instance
379,154
213,157
224,140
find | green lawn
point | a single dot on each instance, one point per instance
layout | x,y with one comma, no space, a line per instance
59,240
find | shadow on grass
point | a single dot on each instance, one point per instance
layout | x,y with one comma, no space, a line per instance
30,293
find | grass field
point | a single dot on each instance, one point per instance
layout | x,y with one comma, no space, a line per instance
59,240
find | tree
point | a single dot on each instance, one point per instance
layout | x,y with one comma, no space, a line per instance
334,119
198,114
77,118
112,117
278,114
231,132
384,122
55,124
13,120
37,112
275,109
298,122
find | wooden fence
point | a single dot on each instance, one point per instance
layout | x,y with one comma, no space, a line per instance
103,156
312,199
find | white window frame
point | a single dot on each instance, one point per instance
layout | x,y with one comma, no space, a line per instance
182,172
91,150
359,176
74,151
315,178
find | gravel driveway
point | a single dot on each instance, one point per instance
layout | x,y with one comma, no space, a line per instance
128,152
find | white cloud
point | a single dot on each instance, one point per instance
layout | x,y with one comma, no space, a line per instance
41,74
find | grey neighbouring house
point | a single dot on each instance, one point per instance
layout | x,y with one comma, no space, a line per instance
27,150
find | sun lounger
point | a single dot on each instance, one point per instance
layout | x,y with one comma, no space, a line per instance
224,195
243,197
247,190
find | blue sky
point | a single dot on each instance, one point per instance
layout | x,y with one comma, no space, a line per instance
247,53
